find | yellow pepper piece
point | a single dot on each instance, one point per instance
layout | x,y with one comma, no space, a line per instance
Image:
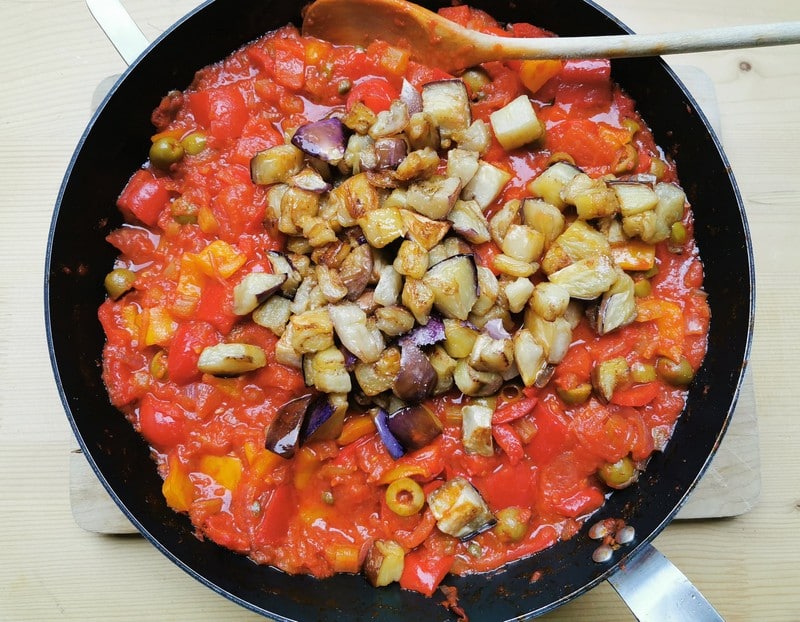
160,327
226,470
343,557
634,254
535,73
306,463
177,488
668,318
356,427
220,259
190,287
206,220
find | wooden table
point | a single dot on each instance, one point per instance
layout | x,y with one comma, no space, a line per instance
53,58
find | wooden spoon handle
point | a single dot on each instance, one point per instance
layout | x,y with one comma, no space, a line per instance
616,46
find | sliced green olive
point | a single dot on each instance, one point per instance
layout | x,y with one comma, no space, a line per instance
194,143
677,374
119,281
166,151
575,395
619,474
405,497
658,168
512,524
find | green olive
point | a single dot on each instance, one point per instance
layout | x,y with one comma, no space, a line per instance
677,234
575,395
194,143
677,374
619,474
658,168
626,160
512,524
631,125
119,281
405,497
165,151
158,365
642,288
643,372
476,79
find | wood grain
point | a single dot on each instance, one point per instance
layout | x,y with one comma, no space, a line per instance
54,56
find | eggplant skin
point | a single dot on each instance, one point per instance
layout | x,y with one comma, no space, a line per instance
417,377
414,427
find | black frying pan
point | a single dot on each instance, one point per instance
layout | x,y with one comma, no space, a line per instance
78,258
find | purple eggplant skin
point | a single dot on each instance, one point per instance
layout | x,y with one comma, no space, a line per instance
283,434
411,96
425,335
317,413
391,443
416,379
414,426
485,527
325,139
391,151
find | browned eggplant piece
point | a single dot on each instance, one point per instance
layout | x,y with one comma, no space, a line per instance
417,377
283,434
414,426
323,139
454,282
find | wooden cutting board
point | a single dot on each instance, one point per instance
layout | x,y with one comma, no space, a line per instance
730,487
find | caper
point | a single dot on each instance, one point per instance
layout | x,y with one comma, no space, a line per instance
344,86
512,524
619,474
194,143
677,234
165,151
119,281
575,395
643,372
642,288
677,374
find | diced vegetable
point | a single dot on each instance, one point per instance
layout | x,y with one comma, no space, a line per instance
350,324
254,289
550,183
323,139
384,562
516,124
608,375
486,185
276,164
469,222
454,283
231,359
477,429
414,426
447,103
460,510
476,383
393,446
416,378
283,434
434,197
427,335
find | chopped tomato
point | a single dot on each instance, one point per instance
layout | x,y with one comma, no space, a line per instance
221,110
375,93
161,423
189,341
144,196
636,395
275,513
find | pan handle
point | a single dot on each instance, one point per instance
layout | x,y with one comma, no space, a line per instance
656,591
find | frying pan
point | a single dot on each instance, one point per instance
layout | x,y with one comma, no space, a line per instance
78,258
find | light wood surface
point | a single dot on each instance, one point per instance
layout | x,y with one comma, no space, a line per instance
53,58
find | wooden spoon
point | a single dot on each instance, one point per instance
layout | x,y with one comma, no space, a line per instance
439,42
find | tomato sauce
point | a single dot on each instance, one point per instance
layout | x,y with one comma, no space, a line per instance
195,229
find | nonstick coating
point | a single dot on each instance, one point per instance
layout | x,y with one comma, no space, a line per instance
78,259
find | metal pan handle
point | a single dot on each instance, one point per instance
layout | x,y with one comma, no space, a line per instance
656,591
